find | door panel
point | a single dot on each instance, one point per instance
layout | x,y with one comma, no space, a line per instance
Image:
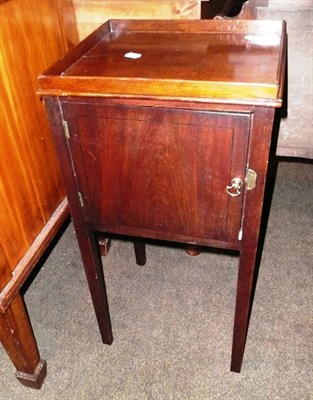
159,170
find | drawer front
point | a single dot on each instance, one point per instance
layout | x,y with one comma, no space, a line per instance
157,172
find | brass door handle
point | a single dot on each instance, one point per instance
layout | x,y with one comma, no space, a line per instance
234,188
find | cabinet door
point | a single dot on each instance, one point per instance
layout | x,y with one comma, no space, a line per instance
158,172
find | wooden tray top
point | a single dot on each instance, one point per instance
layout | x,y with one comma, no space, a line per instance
210,60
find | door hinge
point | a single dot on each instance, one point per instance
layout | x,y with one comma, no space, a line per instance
251,178
80,198
66,130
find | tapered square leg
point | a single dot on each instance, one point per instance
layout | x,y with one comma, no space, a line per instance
34,380
244,300
90,252
140,251
18,340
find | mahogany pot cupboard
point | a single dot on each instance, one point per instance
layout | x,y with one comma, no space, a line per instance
150,150
33,204
34,34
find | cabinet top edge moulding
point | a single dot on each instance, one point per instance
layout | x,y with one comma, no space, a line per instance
139,58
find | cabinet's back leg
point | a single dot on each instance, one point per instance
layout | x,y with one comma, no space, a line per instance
140,251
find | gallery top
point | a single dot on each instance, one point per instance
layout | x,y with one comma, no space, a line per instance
233,61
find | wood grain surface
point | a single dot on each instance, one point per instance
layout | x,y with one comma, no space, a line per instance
242,67
30,187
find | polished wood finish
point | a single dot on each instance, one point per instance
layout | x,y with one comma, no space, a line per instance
141,213
149,145
199,81
32,198
31,186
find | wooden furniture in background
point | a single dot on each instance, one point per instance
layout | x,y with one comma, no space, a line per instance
68,22
32,200
171,121
90,14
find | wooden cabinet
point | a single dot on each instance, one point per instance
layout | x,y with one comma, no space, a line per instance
163,131
32,197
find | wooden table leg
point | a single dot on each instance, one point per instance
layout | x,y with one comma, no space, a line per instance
17,338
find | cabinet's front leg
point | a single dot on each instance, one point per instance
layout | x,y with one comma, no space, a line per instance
91,257
243,303
86,238
18,340
250,251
